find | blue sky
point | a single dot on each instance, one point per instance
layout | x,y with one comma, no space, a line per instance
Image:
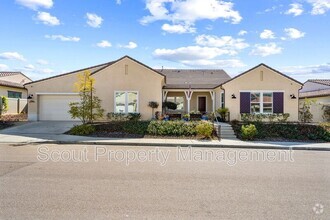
42,38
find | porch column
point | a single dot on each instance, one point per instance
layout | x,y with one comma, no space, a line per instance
212,93
188,94
164,95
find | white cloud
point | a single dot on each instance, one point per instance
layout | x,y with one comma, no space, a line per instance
42,62
62,38
294,33
3,67
178,28
48,19
242,33
266,49
267,34
104,44
190,11
231,63
94,20
319,6
130,45
225,42
191,53
118,2
296,9
29,67
35,4
303,73
47,71
12,56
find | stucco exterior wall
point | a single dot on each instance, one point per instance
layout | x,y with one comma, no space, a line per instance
146,82
4,91
316,108
270,81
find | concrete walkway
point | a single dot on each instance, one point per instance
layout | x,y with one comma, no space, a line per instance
52,132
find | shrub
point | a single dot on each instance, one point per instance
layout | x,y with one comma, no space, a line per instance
114,116
249,131
3,105
326,112
133,116
223,112
172,128
279,117
129,127
204,129
84,129
305,114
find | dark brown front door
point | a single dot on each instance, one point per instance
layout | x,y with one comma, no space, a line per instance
202,104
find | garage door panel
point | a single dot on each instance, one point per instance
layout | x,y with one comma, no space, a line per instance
55,107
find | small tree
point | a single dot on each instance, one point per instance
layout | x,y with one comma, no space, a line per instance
89,108
305,111
153,105
3,105
326,112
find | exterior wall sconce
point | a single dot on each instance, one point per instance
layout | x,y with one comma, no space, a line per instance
293,96
30,96
233,96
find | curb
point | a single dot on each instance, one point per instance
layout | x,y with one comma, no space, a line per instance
270,147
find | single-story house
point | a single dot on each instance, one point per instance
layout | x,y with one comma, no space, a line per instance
319,91
12,87
127,85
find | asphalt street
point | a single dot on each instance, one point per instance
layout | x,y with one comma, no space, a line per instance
109,182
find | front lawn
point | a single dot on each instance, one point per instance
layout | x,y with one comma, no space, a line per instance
146,129
286,131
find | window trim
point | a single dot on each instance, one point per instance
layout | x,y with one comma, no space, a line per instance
21,94
261,102
126,101
222,103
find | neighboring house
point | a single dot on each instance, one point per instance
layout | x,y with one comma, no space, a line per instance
12,87
127,85
319,91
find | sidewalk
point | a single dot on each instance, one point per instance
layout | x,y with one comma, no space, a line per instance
225,143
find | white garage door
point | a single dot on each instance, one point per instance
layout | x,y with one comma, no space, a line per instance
55,107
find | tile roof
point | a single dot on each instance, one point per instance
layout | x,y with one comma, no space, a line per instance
318,93
10,84
320,81
4,74
193,78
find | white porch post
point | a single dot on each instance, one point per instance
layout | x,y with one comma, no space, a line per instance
212,93
164,95
188,94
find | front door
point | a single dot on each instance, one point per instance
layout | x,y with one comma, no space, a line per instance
202,104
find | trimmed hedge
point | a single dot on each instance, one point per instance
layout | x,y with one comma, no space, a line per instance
129,127
172,128
287,131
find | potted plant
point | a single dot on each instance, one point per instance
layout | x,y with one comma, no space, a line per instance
153,105
223,113
186,117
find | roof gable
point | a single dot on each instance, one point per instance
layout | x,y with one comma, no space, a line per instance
266,66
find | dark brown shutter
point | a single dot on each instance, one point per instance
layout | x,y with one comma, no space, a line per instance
245,99
278,102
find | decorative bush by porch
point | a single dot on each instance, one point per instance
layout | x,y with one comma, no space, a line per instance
286,131
172,128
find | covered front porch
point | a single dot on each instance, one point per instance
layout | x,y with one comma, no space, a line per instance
190,100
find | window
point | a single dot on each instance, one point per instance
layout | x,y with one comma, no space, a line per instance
126,102
222,100
261,102
17,95
179,100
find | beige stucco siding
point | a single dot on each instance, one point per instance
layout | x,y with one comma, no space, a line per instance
316,107
4,91
146,82
253,81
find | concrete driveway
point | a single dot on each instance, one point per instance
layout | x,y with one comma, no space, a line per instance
41,127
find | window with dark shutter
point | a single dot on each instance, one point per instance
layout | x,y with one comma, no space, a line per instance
278,102
245,102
